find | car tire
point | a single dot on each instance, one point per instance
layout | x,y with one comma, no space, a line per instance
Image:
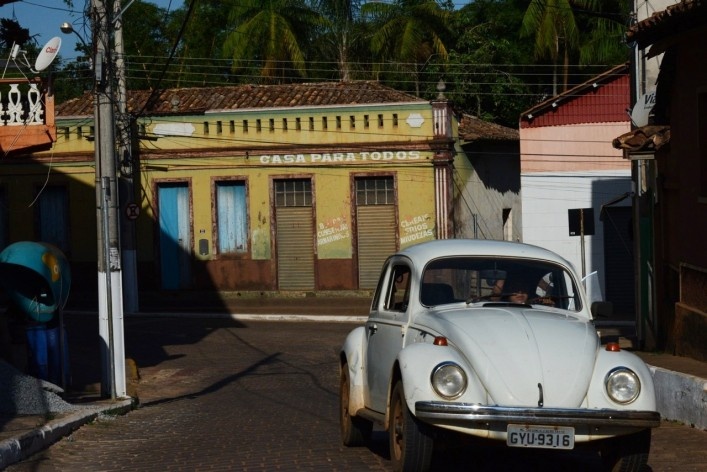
411,442
355,431
627,453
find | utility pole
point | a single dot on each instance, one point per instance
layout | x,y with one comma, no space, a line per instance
110,299
127,167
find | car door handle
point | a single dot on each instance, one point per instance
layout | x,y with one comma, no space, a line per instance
372,328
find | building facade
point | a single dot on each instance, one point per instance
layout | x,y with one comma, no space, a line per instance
576,187
303,187
488,197
670,153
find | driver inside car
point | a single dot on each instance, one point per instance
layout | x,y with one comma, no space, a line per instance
514,292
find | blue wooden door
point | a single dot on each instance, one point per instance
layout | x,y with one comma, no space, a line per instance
175,236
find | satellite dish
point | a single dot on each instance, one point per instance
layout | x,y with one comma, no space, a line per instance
642,109
48,53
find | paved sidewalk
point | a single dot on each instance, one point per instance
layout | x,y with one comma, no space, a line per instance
681,383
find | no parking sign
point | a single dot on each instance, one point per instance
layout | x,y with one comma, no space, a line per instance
132,211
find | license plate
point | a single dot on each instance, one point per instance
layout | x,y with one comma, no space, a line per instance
543,437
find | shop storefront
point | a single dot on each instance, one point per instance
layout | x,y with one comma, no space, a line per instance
296,187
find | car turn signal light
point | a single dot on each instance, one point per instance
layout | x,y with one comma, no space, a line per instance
613,347
440,341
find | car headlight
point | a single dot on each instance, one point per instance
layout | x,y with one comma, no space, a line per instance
448,380
622,385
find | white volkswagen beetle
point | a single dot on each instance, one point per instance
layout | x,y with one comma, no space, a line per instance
492,339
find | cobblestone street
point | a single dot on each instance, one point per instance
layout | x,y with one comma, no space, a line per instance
263,396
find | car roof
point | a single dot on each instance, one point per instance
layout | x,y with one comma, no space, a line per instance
423,252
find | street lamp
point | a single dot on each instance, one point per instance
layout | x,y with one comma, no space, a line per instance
68,28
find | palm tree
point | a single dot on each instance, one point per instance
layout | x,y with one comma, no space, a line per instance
409,31
269,35
343,34
553,24
606,22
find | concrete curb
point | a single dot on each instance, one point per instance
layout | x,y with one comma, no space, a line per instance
260,317
680,397
17,449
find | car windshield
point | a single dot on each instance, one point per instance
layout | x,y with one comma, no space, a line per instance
498,280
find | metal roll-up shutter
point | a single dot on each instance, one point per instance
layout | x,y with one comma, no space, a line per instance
295,248
376,241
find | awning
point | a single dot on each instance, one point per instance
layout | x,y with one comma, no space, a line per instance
645,138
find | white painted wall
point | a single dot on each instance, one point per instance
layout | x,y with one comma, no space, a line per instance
548,196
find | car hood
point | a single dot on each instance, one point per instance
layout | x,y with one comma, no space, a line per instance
523,356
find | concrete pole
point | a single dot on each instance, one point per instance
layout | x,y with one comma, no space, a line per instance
110,300
127,172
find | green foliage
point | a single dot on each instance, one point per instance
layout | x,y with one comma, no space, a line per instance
604,24
12,33
407,34
488,74
567,31
496,57
201,43
268,36
146,45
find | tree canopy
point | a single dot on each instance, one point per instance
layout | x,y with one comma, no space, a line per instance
496,57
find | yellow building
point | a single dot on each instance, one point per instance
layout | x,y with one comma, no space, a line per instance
284,187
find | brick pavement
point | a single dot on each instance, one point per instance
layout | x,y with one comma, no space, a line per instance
247,395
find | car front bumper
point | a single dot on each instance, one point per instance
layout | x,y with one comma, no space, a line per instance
474,416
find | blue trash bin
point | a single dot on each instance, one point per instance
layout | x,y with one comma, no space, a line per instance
45,354
55,357
38,355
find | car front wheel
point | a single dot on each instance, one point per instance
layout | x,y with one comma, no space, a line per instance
355,431
627,453
411,441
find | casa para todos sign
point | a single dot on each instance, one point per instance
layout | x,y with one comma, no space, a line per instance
340,157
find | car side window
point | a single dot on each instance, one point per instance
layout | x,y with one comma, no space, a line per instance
398,295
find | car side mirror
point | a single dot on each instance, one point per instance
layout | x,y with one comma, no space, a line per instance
602,309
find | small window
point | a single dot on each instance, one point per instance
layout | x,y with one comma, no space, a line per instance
232,127
375,191
311,123
338,122
245,126
258,125
206,127
298,124
219,127
293,193
284,124
352,122
380,121
325,125
271,124
398,289
395,119
366,123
